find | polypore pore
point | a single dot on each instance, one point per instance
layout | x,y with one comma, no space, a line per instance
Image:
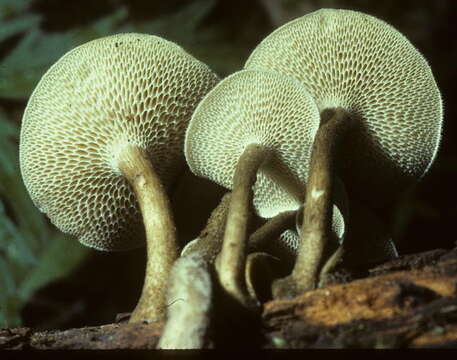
376,94
252,133
101,140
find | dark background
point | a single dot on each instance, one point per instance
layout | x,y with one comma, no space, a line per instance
109,283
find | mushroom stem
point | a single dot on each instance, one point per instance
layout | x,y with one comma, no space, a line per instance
317,212
265,238
261,269
232,259
330,264
209,241
162,247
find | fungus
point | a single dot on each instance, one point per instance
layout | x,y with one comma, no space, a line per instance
261,269
209,242
252,133
376,95
101,140
264,239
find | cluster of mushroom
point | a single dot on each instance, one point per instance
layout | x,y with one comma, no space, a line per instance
335,110
334,115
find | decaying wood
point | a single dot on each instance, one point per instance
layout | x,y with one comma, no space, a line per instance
410,302
413,307
105,337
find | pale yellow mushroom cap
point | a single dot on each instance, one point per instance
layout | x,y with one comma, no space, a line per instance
253,107
266,108
355,61
97,99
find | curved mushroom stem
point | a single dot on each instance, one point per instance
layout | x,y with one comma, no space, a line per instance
261,269
335,258
232,259
262,238
265,238
162,247
209,241
317,213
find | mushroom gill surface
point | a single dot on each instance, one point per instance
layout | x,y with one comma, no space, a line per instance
255,107
360,63
98,99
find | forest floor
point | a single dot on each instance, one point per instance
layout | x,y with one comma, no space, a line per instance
409,302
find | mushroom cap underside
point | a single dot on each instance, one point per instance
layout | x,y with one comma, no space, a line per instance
255,107
110,93
356,61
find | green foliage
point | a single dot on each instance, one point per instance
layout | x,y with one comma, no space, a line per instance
21,70
37,50
32,253
206,44
12,8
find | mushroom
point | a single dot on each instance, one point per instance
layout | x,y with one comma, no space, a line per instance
377,97
252,133
101,141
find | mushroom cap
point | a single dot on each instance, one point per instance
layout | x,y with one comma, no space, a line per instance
266,108
254,107
291,240
355,61
126,89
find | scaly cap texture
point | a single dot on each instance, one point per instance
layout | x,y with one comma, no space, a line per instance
353,60
126,89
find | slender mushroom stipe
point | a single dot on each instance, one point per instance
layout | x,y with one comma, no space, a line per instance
159,226
209,242
233,253
317,211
